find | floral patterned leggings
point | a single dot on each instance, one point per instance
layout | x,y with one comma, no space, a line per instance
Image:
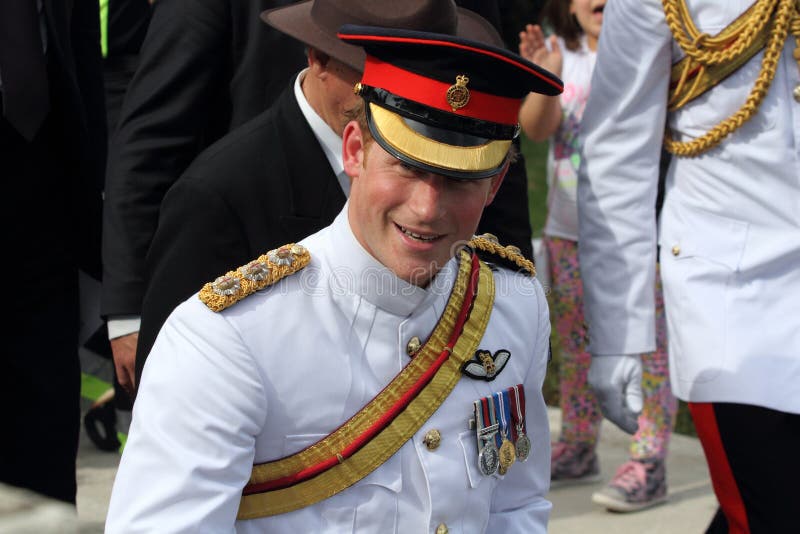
580,412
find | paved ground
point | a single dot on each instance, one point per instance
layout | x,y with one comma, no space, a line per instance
689,509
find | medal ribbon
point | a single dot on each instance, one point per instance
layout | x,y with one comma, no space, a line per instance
493,413
517,394
504,402
504,415
514,417
488,417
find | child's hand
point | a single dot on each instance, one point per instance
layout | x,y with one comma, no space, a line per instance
532,47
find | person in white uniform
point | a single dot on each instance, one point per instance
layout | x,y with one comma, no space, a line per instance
723,81
377,376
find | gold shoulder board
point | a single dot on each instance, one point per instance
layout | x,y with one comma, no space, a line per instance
505,255
233,286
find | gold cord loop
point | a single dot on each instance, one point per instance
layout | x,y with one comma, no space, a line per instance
728,46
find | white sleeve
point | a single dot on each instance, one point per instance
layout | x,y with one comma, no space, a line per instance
622,131
191,443
520,504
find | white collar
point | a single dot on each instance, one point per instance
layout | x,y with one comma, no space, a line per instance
355,271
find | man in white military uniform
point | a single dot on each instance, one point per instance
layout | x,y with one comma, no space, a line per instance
729,240
378,377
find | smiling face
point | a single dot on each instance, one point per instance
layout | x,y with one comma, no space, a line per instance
409,220
590,17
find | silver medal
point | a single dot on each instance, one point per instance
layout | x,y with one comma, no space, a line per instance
523,446
488,458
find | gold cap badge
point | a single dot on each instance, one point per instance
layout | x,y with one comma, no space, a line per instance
458,94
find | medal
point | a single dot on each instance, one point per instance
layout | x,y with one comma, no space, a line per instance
517,400
507,452
486,429
487,459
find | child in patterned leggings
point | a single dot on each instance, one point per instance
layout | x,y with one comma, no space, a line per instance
640,482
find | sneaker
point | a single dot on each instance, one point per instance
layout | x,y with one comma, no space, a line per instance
573,464
637,484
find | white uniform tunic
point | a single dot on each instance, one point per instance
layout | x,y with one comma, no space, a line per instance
730,226
286,366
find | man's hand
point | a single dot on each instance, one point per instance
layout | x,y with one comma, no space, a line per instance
124,350
617,382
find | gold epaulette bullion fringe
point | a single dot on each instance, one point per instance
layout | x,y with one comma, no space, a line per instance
489,243
265,271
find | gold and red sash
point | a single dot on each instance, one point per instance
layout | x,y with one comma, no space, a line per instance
378,430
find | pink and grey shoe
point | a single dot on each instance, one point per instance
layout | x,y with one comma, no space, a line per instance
573,463
637,484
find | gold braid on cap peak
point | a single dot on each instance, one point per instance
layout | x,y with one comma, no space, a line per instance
396,132
489,244
268,269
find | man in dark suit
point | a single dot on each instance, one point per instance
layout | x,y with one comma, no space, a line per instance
508,215
52,156
204,69
278,178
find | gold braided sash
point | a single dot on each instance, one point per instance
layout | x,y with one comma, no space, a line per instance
765,25
378,430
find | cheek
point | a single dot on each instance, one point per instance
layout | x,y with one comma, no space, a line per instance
469,208
380,193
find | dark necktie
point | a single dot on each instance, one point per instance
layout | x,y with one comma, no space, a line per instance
22,67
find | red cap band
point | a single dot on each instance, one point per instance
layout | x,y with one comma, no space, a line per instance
432,93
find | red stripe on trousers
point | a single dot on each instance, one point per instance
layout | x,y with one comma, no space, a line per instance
725,487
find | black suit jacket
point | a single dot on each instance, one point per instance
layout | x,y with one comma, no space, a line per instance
265,184
508,217
205,67
54,182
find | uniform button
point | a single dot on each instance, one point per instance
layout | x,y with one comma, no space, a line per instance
432,440
442,529
413,346
676,250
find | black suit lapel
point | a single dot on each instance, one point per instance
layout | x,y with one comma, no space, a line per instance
314,188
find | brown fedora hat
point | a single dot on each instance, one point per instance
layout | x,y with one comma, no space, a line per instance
316,22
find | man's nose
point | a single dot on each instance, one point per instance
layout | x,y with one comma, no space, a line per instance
427,199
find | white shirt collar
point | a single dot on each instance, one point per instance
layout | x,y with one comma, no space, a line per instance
356,272
329,140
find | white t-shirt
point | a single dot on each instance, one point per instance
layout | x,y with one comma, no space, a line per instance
564,156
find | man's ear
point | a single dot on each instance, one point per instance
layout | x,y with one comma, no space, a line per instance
352,149
497,181
317,60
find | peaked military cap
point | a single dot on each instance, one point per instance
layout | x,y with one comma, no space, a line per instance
443,103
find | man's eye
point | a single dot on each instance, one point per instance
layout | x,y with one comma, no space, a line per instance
410,170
